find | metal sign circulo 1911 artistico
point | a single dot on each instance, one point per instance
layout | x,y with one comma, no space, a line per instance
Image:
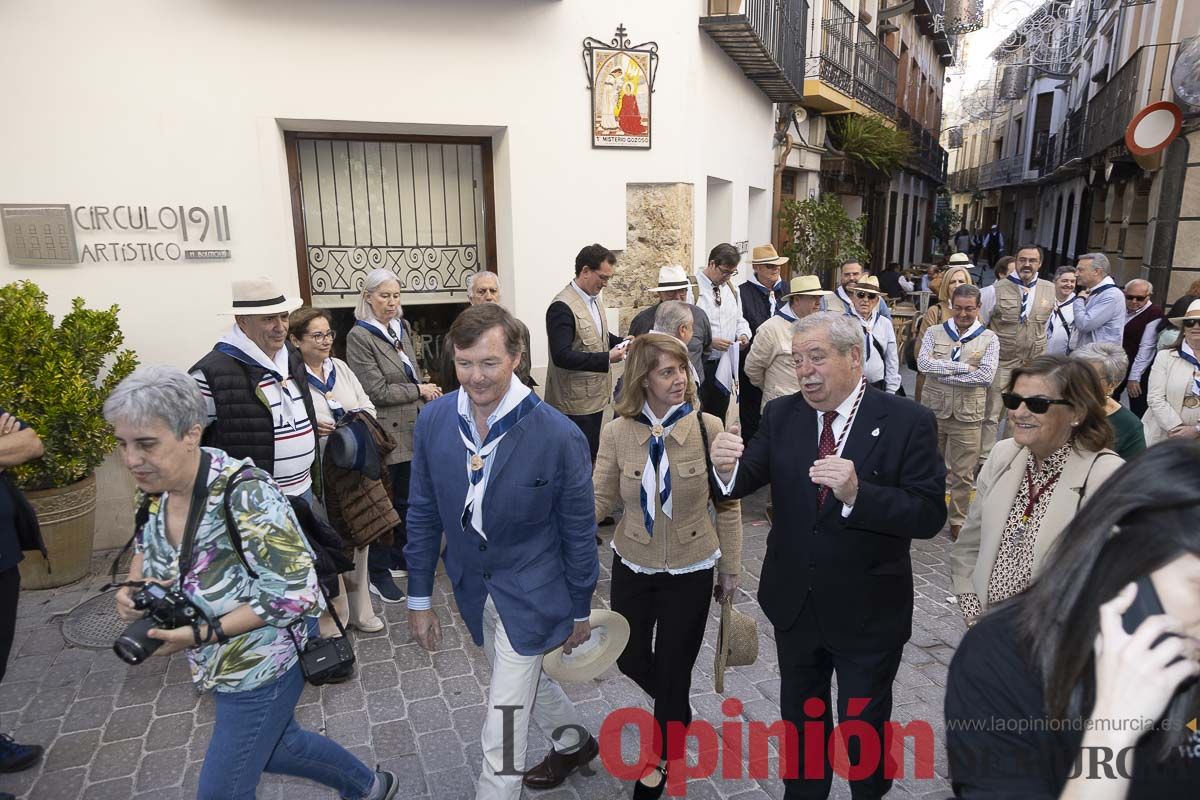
621,80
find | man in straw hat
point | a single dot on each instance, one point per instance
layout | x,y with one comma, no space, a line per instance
769,365
673,284
881,359
508,480
837,581
761,296
850,272
252,361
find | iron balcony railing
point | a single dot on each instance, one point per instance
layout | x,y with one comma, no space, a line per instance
834,65
929,158
1141,81
1002,172
766,39
1038,155
875,69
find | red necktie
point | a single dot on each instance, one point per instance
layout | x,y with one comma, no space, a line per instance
826,447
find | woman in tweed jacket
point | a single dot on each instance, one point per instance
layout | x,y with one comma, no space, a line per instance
380,351
653,457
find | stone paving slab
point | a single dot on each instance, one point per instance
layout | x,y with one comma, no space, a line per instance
115,731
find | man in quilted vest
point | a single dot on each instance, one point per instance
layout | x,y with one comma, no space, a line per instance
959,359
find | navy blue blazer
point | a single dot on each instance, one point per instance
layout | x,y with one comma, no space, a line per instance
857,568
539,561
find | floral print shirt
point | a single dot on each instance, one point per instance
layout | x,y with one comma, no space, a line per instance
285,590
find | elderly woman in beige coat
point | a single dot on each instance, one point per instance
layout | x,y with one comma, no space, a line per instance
1033,484
1173,393
380,351
653,458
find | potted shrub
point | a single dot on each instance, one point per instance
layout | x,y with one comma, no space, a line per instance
50,378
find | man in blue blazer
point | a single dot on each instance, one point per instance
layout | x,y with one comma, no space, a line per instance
508,479
856,476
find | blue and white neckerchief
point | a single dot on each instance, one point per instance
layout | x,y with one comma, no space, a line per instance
238,346
1058,311
785,311
1026,295
1189,355
866,333
478,456
392,337
952,331
656,475
325,387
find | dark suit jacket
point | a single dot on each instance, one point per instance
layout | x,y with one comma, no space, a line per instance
701,343
560,330
858,568
539,561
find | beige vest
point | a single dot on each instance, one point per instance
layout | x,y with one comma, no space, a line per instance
575,392
950,400
1021,342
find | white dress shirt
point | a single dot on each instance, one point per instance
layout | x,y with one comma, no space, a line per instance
592,303
1058,337
726,319
1145,353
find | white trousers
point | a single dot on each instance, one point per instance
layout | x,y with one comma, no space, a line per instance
517,680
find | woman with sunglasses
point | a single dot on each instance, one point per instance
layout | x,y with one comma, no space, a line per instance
1033,484
1173,393
1080,662
335,391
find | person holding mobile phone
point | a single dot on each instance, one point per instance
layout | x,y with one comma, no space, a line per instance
1085,686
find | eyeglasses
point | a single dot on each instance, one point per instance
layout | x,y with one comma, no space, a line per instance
1036,405
327,336
864,295
1141,298
1191,323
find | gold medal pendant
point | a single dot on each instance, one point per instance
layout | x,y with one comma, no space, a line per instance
656,431
476,463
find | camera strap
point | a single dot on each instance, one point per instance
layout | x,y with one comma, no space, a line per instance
195,513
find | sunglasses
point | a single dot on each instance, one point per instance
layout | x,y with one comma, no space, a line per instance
1191,323
1036,405
1141,298
864,295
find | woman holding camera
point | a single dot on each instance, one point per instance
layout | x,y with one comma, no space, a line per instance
1092,670
653,458
249,598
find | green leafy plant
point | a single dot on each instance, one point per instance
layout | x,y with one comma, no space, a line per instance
50,378
866,138
818,235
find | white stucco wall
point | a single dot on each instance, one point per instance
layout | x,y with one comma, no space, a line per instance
150,103
144,102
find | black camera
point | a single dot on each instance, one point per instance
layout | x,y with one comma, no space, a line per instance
165,608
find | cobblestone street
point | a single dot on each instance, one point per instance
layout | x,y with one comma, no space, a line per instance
115,732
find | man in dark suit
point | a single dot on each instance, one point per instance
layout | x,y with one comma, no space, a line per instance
508,479
856,475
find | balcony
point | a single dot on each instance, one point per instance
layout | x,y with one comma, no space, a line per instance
1002,172
875,69
1141,81
766,39
929,157
829,75
1041,149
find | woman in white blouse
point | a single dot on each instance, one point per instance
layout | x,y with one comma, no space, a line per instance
1173,393
335,391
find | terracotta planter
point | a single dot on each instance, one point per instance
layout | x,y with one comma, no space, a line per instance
68,519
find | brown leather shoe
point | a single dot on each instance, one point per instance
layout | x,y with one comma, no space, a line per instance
556,766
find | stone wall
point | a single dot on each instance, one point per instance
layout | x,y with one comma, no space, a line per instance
660,219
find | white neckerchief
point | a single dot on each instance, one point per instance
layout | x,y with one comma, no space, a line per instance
278,365
1129,317
394,331
593,304
517,391
785,310
654,483
329,369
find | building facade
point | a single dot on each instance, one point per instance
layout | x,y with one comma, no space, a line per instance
181,146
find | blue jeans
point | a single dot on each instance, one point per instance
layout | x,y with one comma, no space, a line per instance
256,732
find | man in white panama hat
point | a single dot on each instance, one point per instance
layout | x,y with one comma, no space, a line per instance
769,365
256,392
673,284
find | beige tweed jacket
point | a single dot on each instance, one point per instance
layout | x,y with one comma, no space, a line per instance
688,536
